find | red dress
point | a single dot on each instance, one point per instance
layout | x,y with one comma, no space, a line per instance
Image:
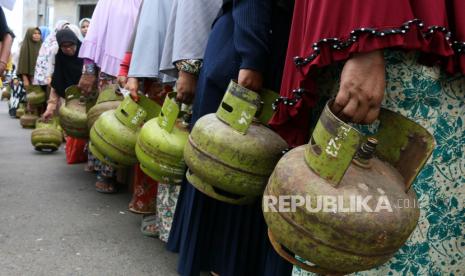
328,31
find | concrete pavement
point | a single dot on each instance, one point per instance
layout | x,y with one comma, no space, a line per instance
53,222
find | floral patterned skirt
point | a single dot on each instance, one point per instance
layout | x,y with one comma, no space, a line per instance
437,102
93,164
167,197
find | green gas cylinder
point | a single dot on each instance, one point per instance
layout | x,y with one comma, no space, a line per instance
230,153
161,143
113,136
47,136
344,189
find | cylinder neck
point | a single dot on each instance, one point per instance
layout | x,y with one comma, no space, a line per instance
366,152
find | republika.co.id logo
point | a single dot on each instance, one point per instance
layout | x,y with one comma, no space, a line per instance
334,204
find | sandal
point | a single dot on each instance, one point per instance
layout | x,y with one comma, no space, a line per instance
148,226
89,168
105,185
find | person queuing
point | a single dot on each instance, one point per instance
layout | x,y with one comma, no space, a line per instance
84,26
142,65
45,63
28,55
68,69
103,49
77,31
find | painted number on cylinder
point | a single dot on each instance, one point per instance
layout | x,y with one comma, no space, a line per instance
137,117
245,117
334,144
333,147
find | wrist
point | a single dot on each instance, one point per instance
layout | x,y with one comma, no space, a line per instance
191,66
51,106
374,57
187,75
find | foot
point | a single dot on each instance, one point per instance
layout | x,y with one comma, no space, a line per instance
88,168
105,185
149,226
150,230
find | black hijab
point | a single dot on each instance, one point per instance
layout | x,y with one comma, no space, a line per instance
68,69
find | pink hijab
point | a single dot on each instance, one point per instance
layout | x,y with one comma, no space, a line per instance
109,34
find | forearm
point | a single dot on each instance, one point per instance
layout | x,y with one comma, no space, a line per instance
53,99
25,79
6,48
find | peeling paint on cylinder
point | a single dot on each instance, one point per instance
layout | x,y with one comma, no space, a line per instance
114,134
346,242
160,145
73,114
232,165
35,95
108,99
46,135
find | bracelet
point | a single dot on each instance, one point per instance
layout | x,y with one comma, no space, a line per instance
191,66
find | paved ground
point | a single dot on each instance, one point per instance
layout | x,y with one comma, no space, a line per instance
53,222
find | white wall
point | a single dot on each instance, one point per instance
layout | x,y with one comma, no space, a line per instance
30,18
65,10
69,9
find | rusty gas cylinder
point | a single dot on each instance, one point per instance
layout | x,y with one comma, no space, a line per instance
231,154
346,189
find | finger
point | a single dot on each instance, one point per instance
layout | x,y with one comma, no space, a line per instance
180,97
371,116
361,111
241,78
134,95
188,98
244,83
342,99
247,83
255,87
350,109
184,98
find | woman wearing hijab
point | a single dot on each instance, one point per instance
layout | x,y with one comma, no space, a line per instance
46,60
84,26
77,31
103,50
141,64
68,68
28,55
